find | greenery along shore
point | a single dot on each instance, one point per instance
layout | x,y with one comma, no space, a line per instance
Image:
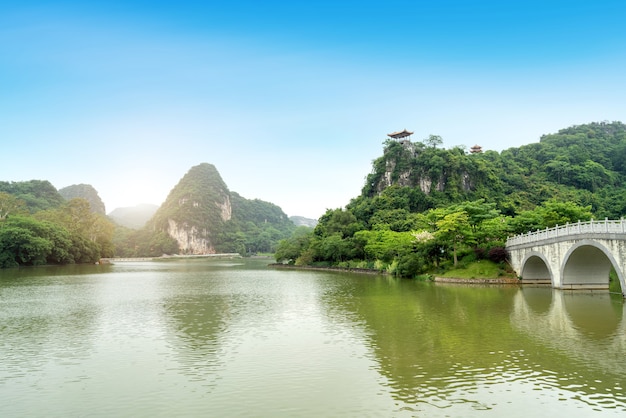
422,210
427,210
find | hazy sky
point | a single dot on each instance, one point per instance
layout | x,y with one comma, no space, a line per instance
290,100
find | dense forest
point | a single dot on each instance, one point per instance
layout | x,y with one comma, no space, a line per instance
424,209
37,226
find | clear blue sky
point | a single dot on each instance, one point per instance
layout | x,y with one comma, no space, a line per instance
291,101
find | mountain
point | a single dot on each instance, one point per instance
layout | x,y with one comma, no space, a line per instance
425,210
87,192
196,210
302,221
204,217
583,164
133,217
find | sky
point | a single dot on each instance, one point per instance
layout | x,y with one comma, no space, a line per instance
291,101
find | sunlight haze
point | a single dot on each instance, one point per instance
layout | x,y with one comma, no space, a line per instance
291,101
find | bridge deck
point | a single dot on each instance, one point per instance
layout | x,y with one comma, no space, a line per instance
570,230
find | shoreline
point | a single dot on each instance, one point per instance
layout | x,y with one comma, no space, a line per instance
330,268
498,280
436,279
113,260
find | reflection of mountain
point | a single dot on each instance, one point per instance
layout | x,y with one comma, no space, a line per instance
211,314
419,335
199,323
439,345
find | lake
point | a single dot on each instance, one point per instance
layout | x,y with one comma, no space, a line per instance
228,338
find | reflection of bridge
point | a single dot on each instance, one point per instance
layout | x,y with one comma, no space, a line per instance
573,256
589,325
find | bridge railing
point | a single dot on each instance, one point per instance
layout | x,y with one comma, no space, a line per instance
606,226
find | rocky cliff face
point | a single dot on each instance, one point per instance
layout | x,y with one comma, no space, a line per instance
413,165
195,212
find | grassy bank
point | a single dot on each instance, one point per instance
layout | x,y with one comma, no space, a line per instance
482,269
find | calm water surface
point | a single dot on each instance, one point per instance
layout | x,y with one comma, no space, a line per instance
234,338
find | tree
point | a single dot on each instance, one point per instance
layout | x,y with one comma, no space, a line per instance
337,221
454,228
433,141
385,245
291,248
10,205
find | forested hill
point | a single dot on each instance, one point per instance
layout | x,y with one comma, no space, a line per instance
87,192
202,216
424,209
585,164
36,195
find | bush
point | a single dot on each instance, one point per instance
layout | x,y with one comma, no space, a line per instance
498,254
411,265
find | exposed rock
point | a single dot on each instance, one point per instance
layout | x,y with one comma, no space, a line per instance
190,239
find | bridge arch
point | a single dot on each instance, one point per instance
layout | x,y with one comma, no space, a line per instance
536,267
588,262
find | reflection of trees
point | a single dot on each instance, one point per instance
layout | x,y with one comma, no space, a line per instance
424,335
44,322
440,344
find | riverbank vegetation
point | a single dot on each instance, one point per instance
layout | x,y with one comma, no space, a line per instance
427,210
38,231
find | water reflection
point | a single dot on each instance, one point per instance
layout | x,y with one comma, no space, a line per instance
538,299
587,326
232,338
472,348
594,314
45,328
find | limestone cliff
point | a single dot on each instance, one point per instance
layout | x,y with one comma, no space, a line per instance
426,169
196,210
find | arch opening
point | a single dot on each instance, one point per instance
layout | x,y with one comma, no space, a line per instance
587,267
535,269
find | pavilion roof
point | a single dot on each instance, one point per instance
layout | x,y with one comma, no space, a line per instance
401,134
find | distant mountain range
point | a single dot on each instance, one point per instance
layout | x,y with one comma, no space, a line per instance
134,217
200,216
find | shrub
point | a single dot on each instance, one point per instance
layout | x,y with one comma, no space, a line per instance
498,254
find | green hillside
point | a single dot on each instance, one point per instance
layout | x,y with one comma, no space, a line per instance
201,216
87,192
424,209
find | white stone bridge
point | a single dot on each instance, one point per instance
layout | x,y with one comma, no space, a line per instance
572,256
